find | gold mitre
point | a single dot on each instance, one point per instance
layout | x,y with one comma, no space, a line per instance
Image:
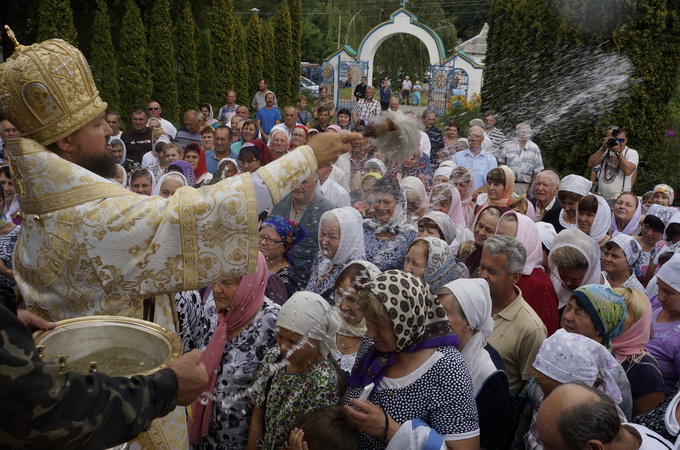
47,90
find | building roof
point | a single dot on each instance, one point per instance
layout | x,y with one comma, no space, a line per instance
476,47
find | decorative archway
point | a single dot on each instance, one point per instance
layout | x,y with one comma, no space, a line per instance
401,21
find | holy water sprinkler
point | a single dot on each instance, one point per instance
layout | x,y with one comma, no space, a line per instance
395,135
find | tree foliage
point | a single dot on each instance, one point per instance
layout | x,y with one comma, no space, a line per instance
133,61
268,51
255,61
162,60
187,69
241,54
285,67
207,84
56,21
102,61
222,35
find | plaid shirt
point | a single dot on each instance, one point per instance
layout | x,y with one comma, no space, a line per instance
367,110
523,161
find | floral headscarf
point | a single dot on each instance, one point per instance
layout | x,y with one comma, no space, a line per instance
664,189
397,224
630,248
419,322
664,213
442,267
186,169
577,239
291,233
606,308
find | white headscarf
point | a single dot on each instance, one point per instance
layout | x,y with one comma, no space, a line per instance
602,221
311,316
416,185
547,232
575,238
377,162
474,299
369,271
630,248
632,224
444,171
576,184
159,185
351,238
397,223
670,272
125,176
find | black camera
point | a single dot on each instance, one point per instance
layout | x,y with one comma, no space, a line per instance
613,141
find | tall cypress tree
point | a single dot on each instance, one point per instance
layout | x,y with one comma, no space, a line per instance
103,58
55,20
242,76
255,63
187,69
284,55
222,36
295,7
162,60
133,61
268,55
207,84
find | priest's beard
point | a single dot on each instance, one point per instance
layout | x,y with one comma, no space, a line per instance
103,164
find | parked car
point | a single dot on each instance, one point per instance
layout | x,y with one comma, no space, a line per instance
308,85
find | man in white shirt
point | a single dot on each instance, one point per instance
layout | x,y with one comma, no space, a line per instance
616,163
155,111
405,90
331,190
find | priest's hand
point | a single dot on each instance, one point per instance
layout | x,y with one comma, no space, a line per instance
192,377
328,146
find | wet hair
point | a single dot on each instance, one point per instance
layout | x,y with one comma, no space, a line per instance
568,196
328,428
654,223
387,186
569,258
588,204
355,272
497,176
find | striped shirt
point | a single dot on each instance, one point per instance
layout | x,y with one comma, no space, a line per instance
523,161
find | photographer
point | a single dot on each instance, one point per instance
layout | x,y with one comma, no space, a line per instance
617,164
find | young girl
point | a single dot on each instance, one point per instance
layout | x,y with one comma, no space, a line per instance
306,329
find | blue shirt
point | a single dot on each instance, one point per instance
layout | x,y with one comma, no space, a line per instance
479,165
211,161
267,118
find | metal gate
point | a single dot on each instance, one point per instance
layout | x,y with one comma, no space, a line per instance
327,78
350,73
441,87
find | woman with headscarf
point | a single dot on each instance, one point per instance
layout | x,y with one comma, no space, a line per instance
536,287
664,344
431,260
446,198
563,358
277,237
442,174
663,195
621,257
341,241
470,252
194,155
119,150
460,179
249,132
206,110
571,190
387,235
642,370
168,184
298,136
233,328
593,217
418,165
301,375
626,214
468,306
439,225
651,237
417,203
374,165
500,184
574,261
185,169
142,181
121,176
412,360
255,154
353,328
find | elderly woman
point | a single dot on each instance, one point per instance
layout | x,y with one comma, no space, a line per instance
535,284
417,203
387,235
298,136
431,260
593,217
470,252
442,174
626,214
185,169
194,155
439,225
642,370
249,131
255,154
340,241
418,165
571,190
142,181
663,195
226,168
621,256
598,312
460,179
500,184
565,357
353,328
277,237
119,150
234,329
468,306
574,261
169,183
664,344
412,361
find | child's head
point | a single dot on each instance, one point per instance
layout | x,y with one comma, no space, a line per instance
328,428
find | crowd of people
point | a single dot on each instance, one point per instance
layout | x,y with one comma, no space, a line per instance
465,297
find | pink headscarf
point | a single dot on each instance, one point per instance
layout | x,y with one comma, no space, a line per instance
528,236
633,340
248,300
455,211
531,211
461,173
508,189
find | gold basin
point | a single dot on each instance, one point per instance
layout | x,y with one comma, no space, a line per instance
120,346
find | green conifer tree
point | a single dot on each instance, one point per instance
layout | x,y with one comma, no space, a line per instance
223,46
207,84
102,61
283,60
162,60
242,73
187,69
55,20
295,7
268,55
255,63
133,62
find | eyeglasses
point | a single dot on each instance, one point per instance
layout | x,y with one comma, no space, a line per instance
622,140
153,108
269,241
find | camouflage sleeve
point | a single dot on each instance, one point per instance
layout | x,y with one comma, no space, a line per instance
40,408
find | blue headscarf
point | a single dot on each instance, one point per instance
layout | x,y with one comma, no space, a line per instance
606,308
